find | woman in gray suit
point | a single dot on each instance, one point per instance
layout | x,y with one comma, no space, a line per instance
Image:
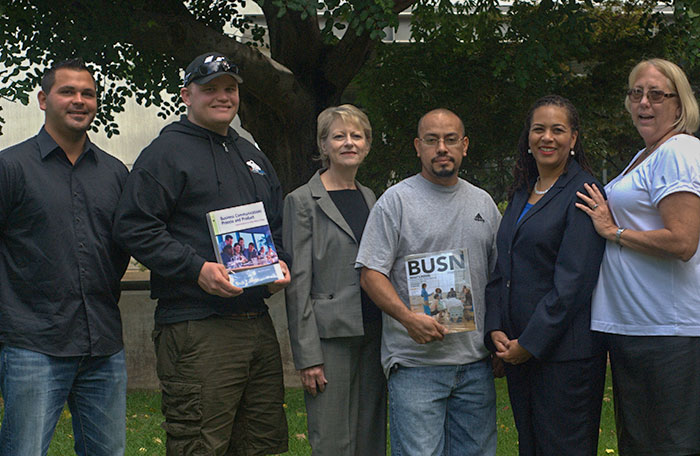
335,329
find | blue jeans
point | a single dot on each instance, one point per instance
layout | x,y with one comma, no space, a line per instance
443,410
35,388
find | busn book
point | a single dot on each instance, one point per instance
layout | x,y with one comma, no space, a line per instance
243,244
439,285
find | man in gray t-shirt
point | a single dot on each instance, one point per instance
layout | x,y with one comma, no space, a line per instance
441,390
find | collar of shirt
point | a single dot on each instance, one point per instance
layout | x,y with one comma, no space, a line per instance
47,145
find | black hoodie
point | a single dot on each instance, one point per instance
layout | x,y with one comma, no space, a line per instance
184,173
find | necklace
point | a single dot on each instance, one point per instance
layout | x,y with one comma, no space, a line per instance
650,150
541,192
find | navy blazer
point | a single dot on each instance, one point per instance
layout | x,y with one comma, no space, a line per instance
547,267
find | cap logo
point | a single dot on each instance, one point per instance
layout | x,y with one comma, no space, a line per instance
205,67
214,58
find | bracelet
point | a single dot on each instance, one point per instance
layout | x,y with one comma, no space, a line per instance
618,234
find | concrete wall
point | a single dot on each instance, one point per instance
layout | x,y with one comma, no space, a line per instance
137,318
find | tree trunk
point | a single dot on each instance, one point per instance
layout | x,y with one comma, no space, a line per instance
288,140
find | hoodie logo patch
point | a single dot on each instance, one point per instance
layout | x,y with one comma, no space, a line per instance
254,168
479,218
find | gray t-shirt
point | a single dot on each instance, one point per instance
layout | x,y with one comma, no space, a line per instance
417,216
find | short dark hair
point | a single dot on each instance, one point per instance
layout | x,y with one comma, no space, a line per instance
228,236
49,78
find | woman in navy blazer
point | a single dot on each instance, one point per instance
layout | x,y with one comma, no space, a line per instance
539,302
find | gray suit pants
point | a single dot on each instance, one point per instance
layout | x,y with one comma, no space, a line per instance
349,417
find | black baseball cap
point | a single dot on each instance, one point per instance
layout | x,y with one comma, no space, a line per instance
208,66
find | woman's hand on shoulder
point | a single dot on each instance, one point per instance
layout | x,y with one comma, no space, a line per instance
596,206
680,213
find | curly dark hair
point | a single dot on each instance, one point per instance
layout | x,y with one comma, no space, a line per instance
525,170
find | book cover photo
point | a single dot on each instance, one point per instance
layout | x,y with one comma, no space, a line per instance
439,285
243,244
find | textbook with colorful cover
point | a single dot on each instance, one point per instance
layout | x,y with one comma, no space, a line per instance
439,285
243,244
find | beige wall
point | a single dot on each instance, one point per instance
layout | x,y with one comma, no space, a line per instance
138,126
137,319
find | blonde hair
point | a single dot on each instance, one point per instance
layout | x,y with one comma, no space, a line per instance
349,114
689,120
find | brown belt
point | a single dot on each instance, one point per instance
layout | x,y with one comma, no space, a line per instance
245,315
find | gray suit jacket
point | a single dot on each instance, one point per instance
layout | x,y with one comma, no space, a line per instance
323,298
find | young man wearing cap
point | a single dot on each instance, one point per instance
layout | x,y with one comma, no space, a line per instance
218,359
60,328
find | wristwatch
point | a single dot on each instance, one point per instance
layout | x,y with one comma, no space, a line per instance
618,234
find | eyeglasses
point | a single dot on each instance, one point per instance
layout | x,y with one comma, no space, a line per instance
655,96
219,65
450,141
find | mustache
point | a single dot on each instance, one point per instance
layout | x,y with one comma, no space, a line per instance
441,157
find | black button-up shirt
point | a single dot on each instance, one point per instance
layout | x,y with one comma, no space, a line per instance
59,269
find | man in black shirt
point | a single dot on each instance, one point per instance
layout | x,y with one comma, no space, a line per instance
218,359
60,328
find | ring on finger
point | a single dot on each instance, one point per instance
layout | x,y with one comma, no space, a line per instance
595,206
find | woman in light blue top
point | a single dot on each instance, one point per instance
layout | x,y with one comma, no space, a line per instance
647,300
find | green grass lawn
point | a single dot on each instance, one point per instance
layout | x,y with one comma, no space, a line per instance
145,437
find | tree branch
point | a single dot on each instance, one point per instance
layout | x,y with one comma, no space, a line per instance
169,28
162,32
346,59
